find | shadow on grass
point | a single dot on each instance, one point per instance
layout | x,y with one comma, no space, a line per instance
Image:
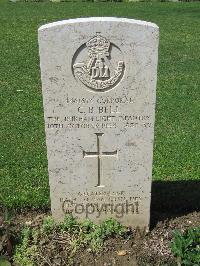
173,199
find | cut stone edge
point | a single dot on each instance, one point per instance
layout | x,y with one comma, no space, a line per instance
97,19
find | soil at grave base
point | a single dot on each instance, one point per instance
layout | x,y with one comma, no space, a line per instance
152,249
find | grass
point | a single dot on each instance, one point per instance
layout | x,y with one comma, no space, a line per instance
23,163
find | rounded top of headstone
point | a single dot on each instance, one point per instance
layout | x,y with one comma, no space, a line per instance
97,19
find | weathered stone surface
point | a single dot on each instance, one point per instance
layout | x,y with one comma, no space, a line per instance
99,93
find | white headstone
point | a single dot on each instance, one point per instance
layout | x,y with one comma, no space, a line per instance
99,94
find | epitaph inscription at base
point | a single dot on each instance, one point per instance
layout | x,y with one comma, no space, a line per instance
99,92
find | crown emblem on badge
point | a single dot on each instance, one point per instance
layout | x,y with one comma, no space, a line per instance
96,71
98,46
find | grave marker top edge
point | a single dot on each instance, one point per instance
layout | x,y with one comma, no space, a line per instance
97,19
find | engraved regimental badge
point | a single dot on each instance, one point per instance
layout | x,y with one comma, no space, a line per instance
98,64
